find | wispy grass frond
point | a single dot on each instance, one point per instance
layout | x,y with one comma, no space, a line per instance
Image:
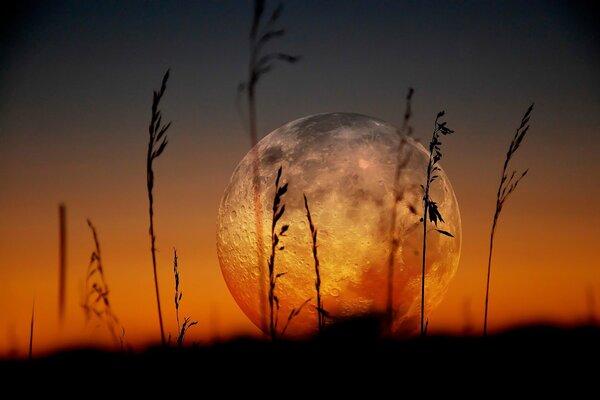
402,159
157,142
264,31
430,209
96,301
321,313
293,314
278,210
508,184
181,329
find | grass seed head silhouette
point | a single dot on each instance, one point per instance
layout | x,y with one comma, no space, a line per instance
96,301
278,210
508,184
401,163
262,32
187,323
430,209
157,142
321,312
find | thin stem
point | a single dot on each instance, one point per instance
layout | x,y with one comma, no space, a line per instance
423,264
487,288
313,234
62,212
177,293
426,209
153,241
394,241
31,332
156,131
257,204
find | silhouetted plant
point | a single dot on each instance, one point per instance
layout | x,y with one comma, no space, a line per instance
278,210
156,145
62,274
293,314
96,301
31,332
508,184
321,312
430,209
181,329
262,32
401,163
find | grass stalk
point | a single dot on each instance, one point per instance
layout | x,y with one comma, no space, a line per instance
321,313
96,302
430,209
156,145
181,329
262,32
31,331
401,162
62,274
507,186
278,210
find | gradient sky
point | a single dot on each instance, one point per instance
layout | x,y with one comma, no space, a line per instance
75,91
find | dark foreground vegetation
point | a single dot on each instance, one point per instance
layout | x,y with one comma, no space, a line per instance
540,354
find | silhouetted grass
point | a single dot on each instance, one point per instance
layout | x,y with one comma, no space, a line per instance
429,206
278,210
401,162
321,313
96,301
181,329
293,314
62,274
506,187
31,331
262,32
156,146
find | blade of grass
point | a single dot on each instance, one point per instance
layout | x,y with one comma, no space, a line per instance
262,32
156,145
508,184
31,331
430,209
62,274
401,163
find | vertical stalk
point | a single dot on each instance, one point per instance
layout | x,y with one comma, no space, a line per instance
62,275
257,205
31,332
426,203
487,287
153,242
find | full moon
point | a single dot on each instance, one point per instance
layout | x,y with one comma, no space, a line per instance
345,165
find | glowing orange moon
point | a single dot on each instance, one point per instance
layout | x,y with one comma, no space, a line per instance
345,165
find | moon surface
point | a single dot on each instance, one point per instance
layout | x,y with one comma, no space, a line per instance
345,164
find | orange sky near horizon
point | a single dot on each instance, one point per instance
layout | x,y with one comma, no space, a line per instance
75,95
540,273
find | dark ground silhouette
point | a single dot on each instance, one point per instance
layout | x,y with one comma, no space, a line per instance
535,355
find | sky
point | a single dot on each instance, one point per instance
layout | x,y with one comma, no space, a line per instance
76,80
